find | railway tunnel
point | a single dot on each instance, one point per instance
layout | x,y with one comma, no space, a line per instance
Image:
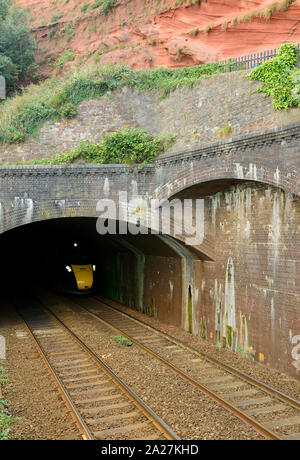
125,264
244,297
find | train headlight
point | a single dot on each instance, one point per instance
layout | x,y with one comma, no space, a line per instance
94,268
68,268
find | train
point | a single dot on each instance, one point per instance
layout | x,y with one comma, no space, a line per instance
71,268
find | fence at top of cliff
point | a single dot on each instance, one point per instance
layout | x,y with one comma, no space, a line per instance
254,60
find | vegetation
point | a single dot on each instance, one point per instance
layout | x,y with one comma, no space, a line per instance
279,77
23,115
194,32
16,44
224,132
4,380
67,56
5,418
106,5
266,13
57,98
128,145
57,17
123,340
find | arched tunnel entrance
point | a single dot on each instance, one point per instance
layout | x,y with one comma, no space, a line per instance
143,272
245,299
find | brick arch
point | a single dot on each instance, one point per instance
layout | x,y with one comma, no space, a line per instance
203,172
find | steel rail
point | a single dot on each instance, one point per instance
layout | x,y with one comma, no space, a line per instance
278,394
155,419
237,412
65,395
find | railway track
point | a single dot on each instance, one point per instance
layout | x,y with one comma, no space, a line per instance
102,405
270,412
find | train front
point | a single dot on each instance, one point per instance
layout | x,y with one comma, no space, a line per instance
76,271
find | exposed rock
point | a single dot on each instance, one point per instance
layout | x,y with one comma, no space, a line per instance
174,36
180,47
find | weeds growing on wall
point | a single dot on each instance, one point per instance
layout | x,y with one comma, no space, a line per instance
22,116
278,77
125,146
57,98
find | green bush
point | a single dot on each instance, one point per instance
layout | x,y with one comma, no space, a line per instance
68,110
277,77
16,44
67,56
57,17
106,5
84,8
125,146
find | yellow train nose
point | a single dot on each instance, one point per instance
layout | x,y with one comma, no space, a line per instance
84,276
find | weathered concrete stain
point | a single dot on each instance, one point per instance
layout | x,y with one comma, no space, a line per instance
229,324
219,315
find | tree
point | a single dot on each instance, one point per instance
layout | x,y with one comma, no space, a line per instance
16,44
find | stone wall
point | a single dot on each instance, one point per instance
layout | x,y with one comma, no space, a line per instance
248,264
250,294
195,115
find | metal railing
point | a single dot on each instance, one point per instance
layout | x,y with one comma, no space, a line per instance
254,60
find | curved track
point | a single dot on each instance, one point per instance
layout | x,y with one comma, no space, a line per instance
102,405
272,413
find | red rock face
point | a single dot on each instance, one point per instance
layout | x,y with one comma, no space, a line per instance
147,34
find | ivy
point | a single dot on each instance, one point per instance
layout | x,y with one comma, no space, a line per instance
278,77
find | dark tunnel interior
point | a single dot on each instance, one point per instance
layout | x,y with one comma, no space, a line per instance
119,260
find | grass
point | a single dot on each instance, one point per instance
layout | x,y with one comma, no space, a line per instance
266,13
4,379
57,17
194,32
23,115
6,418
67,56
224,132
123,340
